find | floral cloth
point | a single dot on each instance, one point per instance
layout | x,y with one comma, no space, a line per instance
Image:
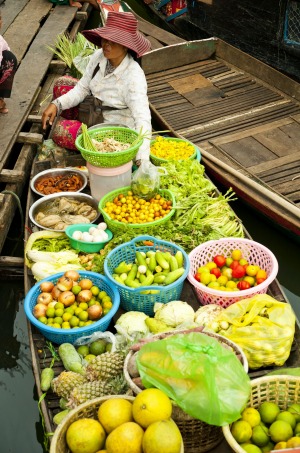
7,72
65,133
125,88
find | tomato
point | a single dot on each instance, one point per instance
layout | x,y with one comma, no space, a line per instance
227,273
216,271
250,280
234,264
197,277
238,272
236,255
243,262
243,285
220,260
251,270
205,278
260,280
261,274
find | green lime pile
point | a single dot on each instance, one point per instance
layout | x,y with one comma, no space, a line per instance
268,428
93,349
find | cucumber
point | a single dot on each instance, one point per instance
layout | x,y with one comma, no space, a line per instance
285,371
58,418
47,375
70,358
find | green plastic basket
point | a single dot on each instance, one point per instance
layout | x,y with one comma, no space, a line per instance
121,134
116,226
158,160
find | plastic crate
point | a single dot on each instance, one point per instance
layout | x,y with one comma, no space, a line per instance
134,299
60,336
252,251
114,159
116,226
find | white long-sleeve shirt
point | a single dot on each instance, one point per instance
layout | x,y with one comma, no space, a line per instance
3,46
125,88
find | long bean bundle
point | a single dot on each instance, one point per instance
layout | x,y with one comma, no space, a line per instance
86,139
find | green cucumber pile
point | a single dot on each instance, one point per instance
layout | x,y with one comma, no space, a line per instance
150,268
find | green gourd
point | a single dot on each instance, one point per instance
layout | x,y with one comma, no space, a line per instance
70,358
47,375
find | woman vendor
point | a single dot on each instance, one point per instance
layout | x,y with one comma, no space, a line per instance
8,66
114,76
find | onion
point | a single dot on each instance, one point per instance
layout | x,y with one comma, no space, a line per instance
73,275
85,283
39,310
55,292
64,283
84,296
67,298
44,298
46,287
94,312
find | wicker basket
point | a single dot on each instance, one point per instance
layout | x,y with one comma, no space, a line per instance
121,134
281,390
135,298
85,410
198,436
159,160
115,226
252,251
60,336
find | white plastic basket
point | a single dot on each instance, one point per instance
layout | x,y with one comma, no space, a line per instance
252,251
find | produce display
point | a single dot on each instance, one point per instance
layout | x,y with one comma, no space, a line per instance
127,425
157,268
129,208
267,428
230,273
170,149
71,303
59,183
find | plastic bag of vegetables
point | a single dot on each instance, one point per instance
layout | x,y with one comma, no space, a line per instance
262,326
205,379
145,180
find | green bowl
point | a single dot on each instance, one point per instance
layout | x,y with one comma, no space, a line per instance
159,160
83,246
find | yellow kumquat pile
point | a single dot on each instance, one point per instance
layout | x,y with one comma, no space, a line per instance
169,149
132,209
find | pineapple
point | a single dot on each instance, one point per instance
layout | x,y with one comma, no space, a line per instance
65,382
105,366
95,389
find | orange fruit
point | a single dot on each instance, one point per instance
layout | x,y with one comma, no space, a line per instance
151,405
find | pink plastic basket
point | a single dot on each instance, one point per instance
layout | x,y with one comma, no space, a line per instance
252,251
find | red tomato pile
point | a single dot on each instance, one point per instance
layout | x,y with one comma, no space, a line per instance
232,273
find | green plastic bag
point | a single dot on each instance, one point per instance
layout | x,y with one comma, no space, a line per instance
204,378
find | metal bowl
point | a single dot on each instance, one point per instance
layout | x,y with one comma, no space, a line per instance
42,203
55,172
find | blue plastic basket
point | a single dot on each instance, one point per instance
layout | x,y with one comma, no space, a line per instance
133,299
60,336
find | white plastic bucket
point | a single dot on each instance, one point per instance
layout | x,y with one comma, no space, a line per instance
104,180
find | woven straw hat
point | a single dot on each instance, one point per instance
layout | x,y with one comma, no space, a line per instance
121,28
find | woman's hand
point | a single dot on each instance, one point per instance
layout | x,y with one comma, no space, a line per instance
48,115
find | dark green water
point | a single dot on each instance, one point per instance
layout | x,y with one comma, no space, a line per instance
21,428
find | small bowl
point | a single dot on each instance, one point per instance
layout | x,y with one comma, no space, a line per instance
52,173
83,246
42,203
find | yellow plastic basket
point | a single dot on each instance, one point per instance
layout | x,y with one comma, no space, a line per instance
115,159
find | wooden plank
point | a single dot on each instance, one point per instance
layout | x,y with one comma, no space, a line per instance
26,24
11,176
24,92
30,137
282,141
155,44
162,36
247,151
13,261
9,11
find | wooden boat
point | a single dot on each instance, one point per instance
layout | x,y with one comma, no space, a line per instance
266,30
41,355
243,115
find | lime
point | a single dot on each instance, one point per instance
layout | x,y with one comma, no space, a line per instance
83,350
280,431
67,316
95,290
50,312
102,294
56,325
268,411
58,320
43,319
77,311
98,347
267,448
76,289
83,305
287,417
70,310
83,316
89,357
81,324
297,428
106,299
251,415
74,321
65,325
295,410
241,431
59,311
250,448
260,436
59,305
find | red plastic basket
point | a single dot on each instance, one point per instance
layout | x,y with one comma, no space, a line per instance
252,251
